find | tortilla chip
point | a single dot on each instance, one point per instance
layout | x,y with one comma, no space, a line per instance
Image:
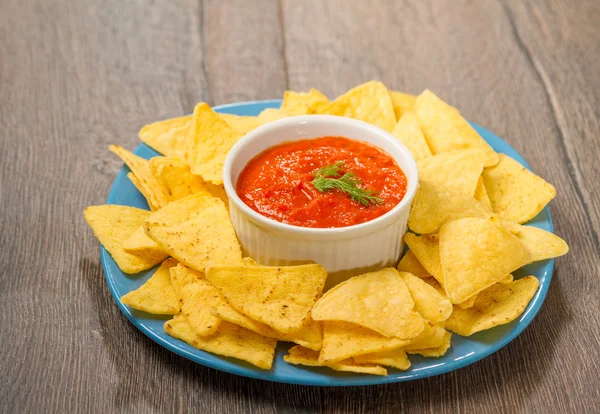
432,337
481,195
270,115
112,225
378,300
428,302
298,355
197,299
140,167
138,185
507,279
426,249
402,103
369,102
229,340
140,244
176,178
309,336
209,141
241,124
342,340
411,264
280,297
465,167
181,276
434,205
167,136
468,303
303,103
446,130
396,358
497,305
438,351
476,253
516,193
205,239
541,244
408,131
157,295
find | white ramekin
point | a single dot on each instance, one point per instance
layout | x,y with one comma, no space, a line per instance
343,251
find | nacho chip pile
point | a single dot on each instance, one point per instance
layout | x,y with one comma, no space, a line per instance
467,239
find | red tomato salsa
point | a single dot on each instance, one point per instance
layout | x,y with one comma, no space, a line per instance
277,182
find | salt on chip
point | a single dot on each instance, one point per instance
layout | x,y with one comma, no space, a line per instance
369,102
458,171
197,299
140,167
157,295
476,253
138,185
497,305
139,244
426,249
516,193
410,263
112,225
280,297
432,337
176,178
435,204
209,141
408,131
446,130
540,243
378,300
303,103
481,195
428,302
230,340
402,103
298,355
205,239
342,340
396,358
438,351
241,124
168,136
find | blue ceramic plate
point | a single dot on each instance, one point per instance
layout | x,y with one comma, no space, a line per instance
464,351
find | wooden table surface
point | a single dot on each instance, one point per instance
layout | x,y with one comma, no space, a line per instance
76,76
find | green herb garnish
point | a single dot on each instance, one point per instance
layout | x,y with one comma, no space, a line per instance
328,178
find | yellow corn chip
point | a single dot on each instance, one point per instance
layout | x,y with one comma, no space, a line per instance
210,140
402,103
541,244
309,336
369,102
438,351
303,103
378,300
446,130
205,239
229,340
270,115
181,276
435,205
481,195
497,305
138,185
197,299
168,136
140,244
408,131
140,167
507,279
280,297
176,178
157,295
411,264
432,337
468,303
112,225
516,193
428,302
241,124
426,249
458,171
342,340
298,355
475,254
396,358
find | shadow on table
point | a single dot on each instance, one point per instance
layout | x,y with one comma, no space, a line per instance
151,377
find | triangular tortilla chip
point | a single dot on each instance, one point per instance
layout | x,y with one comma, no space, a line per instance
481,195
298,355
181,276
541,244
303,103
475,254
396,358
138,185
229,340
205,239
176,178
241,124
446,130
378,300
411,264
280,297
157,295
112,225
496,305
197,299
408,131
140,167
139,244
428,302
168,136
431,337
426,249
209,141
435,352
458,171
516,193
402,103
435,205
369,102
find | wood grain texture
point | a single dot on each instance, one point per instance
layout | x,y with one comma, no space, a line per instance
76,76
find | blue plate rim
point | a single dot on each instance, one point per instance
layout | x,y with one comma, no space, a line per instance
175,346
